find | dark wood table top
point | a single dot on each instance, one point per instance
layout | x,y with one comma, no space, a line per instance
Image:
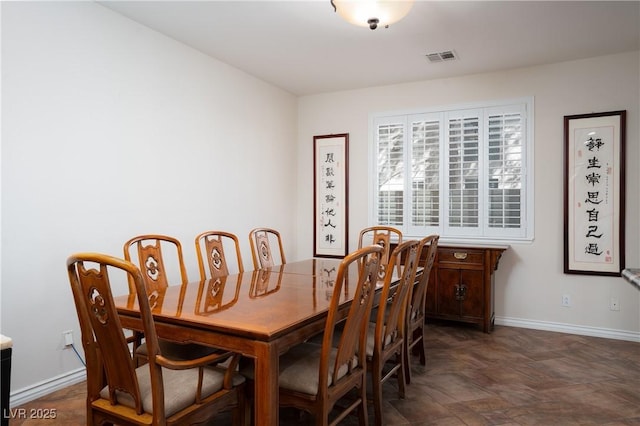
259,304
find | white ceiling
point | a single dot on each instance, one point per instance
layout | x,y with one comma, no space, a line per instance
306,48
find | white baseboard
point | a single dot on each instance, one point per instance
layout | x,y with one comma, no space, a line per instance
607,333
33,392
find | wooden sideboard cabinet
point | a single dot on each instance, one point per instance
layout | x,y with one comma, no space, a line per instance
461,285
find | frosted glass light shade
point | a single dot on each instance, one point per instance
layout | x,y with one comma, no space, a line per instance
373,13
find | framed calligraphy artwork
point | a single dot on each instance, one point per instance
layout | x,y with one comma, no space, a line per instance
330,195
594,191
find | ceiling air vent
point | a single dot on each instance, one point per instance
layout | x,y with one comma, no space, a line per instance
447,55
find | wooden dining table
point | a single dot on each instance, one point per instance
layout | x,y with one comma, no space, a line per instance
260,314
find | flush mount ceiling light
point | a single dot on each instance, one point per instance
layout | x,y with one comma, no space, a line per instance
372,13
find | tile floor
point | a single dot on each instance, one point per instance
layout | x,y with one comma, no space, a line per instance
513,376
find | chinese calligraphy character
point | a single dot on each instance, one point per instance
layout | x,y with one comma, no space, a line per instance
330,185
329,198
329,158
330,212
329,238
592,197
593,215
593,178
329,224
592,248
592,232
594,143
593,162
329,172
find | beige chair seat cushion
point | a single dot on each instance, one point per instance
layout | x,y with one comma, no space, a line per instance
180,388
300,365
371,337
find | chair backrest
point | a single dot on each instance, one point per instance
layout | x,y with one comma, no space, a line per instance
152,262
390,324
417,299
261,252
210,249
382,236
351,350
109,360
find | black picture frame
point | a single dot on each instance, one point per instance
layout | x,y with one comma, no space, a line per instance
331,195
594,193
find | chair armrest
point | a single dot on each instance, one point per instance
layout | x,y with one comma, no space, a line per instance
202,362
192,363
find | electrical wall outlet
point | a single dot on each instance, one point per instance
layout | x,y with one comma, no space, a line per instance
566,300
614,304
68,337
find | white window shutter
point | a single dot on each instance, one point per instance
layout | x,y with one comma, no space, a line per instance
463,159
391,173
424,180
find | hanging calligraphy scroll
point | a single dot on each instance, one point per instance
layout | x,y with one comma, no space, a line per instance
330,195
594,188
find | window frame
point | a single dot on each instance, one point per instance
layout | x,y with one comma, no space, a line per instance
484,233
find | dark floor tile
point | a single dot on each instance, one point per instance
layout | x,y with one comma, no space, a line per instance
510,377
561,413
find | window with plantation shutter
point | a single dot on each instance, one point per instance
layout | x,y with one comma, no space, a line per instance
425,171
505,170
464,173
391,173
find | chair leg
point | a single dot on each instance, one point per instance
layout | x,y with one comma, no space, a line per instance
247,415
401,374
407,360
363,416
416,339
248,399
423,357
321,415
420,341
376,377
239,412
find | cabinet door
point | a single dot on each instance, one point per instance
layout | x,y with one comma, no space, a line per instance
471,294
460,293
448,283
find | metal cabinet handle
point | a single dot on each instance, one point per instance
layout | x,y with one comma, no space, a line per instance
460,292
460,255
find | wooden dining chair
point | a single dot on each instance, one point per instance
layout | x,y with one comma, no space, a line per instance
416,311
383,236
260,240
148,251
210,249
161,392
386,337
315,377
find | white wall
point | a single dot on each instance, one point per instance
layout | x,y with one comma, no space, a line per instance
530,280
111,130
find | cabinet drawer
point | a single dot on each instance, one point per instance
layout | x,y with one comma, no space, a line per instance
460,255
